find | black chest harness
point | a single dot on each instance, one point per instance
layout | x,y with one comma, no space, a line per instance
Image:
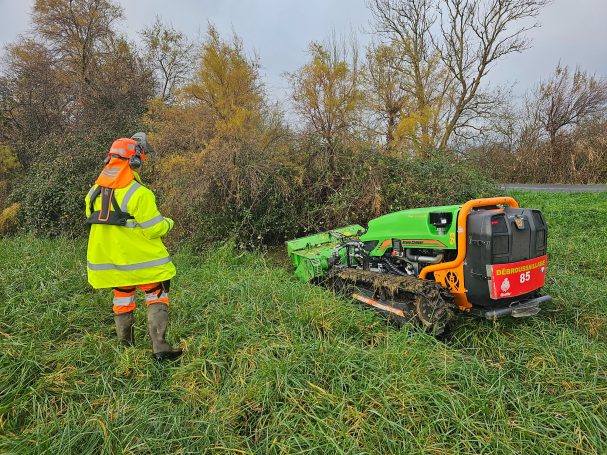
114,217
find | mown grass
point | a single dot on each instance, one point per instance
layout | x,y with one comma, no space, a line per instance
275,366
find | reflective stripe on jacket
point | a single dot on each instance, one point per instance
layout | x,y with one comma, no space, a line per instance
132,254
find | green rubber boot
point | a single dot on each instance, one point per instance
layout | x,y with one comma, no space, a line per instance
158,318
125,328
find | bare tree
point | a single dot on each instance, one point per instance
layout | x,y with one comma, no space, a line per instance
558,135
169,52
567,99
448,48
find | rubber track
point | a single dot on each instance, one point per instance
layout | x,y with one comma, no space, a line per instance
437,302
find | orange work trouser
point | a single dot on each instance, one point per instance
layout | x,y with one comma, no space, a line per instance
124,297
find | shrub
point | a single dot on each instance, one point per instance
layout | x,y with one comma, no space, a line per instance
578,156
258,194
439,179
372,184
239,189
52,194
256,190
9,219
9,169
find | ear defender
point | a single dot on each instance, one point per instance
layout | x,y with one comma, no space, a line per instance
141,148
135,161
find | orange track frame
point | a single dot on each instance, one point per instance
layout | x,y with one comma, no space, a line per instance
455,266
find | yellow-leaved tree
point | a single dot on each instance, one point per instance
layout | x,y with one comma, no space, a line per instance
327,95
227,84
228,172
223,101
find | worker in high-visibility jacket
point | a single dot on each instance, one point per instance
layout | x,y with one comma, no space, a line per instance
125,250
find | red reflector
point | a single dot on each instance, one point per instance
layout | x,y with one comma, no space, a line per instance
495,222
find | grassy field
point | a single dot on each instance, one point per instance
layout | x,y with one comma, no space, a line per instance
274,366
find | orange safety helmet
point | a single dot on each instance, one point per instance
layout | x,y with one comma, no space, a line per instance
129,150
124,156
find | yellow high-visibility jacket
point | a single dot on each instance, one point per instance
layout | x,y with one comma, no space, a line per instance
133,254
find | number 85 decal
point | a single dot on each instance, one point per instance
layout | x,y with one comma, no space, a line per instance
526,276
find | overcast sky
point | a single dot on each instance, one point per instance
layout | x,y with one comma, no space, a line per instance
573,32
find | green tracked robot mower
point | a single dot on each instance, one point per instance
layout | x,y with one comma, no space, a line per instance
486,257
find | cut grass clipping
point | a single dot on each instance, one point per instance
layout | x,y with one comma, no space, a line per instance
275,366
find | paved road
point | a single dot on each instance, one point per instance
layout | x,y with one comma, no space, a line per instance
554,188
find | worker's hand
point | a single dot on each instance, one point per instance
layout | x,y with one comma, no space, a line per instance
171,224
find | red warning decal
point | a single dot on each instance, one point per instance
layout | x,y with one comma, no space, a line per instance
517,278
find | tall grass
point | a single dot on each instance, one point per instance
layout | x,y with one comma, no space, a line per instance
274,366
